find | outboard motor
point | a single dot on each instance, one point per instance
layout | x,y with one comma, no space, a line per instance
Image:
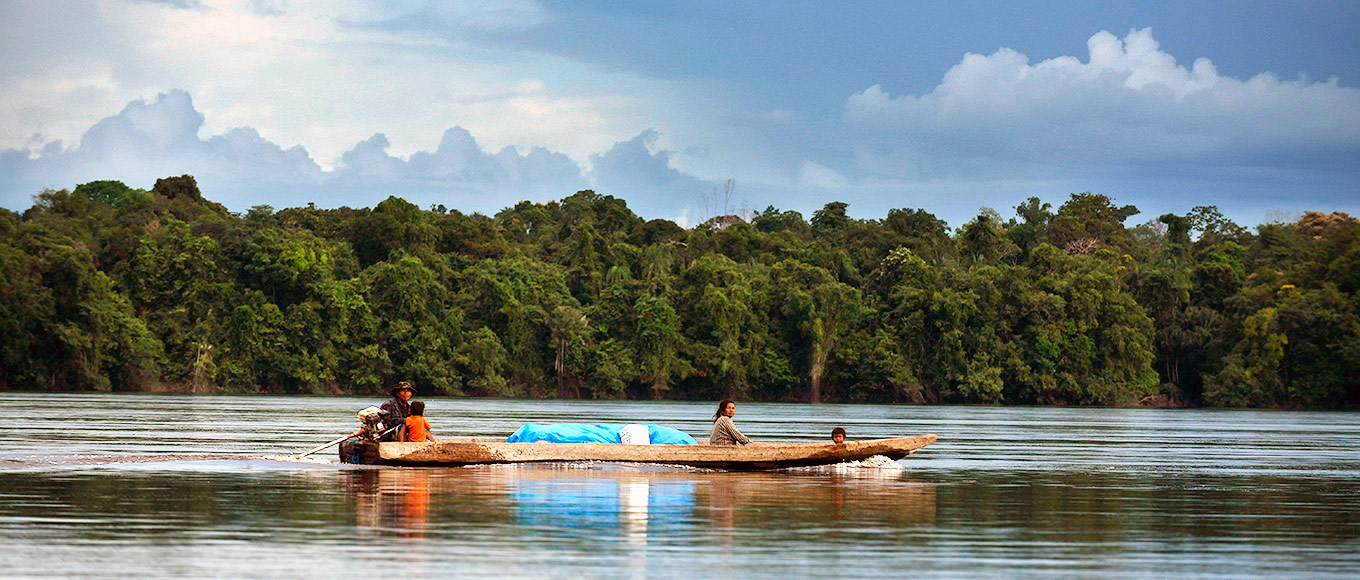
373,423
363,448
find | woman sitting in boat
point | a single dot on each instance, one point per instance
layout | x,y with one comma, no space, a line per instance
724,430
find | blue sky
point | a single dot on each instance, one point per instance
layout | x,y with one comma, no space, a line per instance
476,105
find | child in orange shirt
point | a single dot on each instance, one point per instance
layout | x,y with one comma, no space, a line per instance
417,428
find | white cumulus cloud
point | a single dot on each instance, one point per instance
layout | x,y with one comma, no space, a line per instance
160,138
1129,106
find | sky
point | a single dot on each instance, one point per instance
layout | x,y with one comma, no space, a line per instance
691,110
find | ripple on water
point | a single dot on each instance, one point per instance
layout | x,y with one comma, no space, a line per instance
113,484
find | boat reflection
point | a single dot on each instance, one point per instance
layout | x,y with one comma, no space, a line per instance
736,501
575,502
563,505
392,501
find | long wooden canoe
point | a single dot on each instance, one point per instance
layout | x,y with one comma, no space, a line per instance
758,456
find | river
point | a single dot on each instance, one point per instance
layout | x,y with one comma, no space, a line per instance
160,486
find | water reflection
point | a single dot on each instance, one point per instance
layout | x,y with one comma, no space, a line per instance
1006,493
787,502
564,506
390,501
634,499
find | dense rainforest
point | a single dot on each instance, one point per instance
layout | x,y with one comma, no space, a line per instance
110,288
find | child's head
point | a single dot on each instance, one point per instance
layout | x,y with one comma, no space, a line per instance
418,408
838,435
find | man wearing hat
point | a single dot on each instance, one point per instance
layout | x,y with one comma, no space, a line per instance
397,410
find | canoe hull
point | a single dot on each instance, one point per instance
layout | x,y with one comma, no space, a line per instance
760,456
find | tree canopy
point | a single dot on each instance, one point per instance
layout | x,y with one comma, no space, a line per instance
111,288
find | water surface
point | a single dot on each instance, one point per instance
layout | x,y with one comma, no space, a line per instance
116,486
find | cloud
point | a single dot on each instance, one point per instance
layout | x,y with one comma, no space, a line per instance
274,65
818,176
635,171
459,167
534,110
453,19
269,77
180,4
149,140
239,168
1130,107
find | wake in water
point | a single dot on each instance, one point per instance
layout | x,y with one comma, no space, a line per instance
873,466
315,459
25,462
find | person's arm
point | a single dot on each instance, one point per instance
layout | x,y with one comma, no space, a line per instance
738,436
429,433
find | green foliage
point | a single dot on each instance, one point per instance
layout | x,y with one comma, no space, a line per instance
722,306
1299,350
830,218
815,310
113,193
656,343
1094,217
772,221
287,264
984,239
1212,226
1035,212
394,224
112,288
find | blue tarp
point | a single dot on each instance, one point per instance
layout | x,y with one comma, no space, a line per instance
584,433
667,436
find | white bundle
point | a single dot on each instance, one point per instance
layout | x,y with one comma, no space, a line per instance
634,434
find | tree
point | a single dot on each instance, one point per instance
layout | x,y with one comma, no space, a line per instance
1034,212
394,224
1212,226
1296,351
567,329
817,310
830,220
485,358
254,347
721,315
109,288
513,297
1177,228
112,193
772,220
1090,216
287,265
26,305
184,286
657,343
983,239
422,327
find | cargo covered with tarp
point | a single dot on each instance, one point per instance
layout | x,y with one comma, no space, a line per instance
587,433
